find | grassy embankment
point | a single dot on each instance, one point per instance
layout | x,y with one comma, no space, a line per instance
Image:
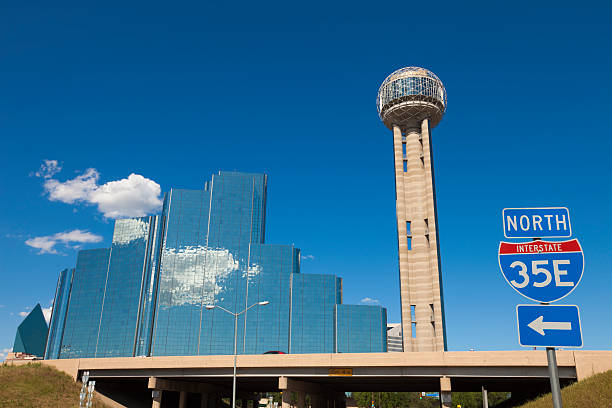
39,386
593,392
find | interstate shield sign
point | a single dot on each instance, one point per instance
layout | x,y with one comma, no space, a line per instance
540,270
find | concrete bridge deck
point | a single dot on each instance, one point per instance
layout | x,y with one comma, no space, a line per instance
512,371
379,368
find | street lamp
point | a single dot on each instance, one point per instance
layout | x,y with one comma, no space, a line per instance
210,307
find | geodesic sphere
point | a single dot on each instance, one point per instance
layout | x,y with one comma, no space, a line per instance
410,95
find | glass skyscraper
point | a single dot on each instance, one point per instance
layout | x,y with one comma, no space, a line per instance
147,294
58,317
31,334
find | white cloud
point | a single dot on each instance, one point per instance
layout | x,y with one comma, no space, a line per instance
46,244
369,301
306,257
134,196
23,314
48,169
4,352
70,191
47,313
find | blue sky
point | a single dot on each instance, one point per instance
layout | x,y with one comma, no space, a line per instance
174,92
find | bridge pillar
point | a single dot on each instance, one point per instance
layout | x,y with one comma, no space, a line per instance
182,399
157,398
214,400
316,401
320,396
341,400
445,392
286,398
301,399
203,400
485,398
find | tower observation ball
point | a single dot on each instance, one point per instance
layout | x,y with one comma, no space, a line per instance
410,95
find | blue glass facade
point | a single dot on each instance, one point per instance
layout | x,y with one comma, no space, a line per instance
269,275
85,307
313,302
361,329
32,334
148,294
124,287
58,314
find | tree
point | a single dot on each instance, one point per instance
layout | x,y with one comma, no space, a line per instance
394,400
474,399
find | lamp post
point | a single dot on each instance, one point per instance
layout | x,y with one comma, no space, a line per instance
210,307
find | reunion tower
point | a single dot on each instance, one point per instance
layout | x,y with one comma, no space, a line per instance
411,101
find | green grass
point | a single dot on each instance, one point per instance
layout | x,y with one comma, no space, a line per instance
593,392
36,385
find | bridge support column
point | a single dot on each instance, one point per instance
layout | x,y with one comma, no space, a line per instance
157,398
485,398
320,397
203,400
214,400
182,399
301,399
341,400
286,398
316,401
445,392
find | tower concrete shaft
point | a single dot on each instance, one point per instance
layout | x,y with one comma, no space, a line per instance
420,280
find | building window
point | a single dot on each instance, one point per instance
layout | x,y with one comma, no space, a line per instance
408,236
413,330
405,163
404,150
413,313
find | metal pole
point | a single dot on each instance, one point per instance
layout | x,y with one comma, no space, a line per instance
553,372
235,351
485,398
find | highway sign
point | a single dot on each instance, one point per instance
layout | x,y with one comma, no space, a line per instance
343,372
540,270
549,326
545,222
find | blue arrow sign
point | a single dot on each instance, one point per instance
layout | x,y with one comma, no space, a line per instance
541,270
549,326
547,222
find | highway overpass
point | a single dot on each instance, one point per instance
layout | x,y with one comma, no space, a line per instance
325,377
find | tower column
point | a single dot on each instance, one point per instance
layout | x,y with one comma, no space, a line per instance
417,244
402,236
409,102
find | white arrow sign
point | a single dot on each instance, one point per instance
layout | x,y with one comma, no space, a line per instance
539,325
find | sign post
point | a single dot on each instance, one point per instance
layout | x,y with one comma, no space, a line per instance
553,373
543,271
